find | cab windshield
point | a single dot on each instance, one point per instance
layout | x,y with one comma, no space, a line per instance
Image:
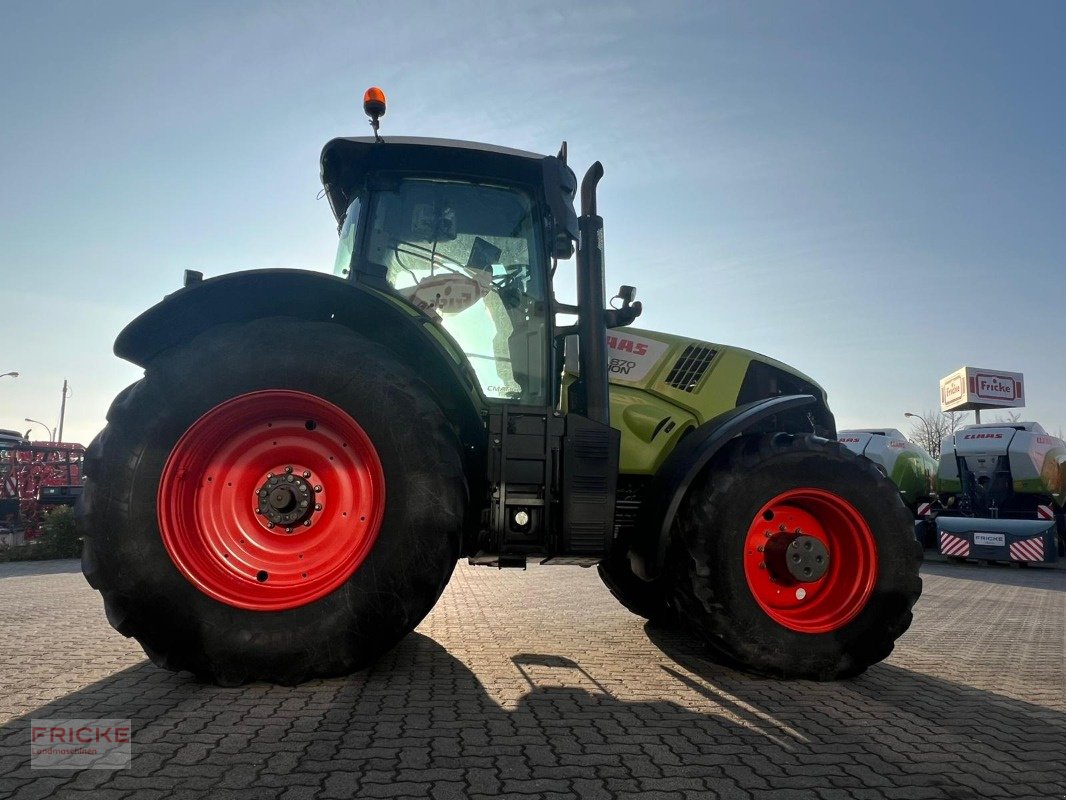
468,256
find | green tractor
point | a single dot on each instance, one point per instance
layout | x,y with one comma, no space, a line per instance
286,492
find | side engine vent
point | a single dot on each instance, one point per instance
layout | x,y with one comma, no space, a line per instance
688,370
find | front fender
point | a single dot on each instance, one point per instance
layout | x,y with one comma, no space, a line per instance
667,489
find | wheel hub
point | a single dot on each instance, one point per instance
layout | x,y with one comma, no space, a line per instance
288,499
810,560
797,558
271,500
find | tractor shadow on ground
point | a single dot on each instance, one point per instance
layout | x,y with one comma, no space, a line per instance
1052,578
422,721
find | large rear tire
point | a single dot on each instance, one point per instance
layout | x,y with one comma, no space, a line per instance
278,500
797,559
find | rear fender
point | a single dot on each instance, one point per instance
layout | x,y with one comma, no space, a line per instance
313,296
668,488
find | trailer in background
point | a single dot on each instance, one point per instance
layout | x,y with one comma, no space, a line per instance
906,464
1001,490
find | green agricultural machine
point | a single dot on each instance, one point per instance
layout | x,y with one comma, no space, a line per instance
286,492
906,464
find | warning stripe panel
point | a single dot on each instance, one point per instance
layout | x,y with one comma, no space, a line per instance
953,545
1027,550
1045,512
923,509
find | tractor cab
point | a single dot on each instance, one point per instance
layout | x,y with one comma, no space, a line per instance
466,234
469,253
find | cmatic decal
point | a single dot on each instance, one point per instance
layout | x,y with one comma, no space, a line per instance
1027,550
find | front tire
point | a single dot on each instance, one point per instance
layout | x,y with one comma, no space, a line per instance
278,500
648,599
797,559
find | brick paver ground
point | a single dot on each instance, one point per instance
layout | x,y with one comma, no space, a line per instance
538,685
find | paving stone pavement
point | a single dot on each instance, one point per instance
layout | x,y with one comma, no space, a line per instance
538,685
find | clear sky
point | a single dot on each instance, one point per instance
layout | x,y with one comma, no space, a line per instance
872,192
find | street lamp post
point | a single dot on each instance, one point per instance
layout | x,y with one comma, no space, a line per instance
50,431
930,435
63,410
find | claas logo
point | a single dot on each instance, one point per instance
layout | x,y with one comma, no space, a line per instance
626,345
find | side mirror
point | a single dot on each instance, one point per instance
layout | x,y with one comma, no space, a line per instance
619,316
562,246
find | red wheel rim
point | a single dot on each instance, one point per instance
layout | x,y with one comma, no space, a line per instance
210,501
810,517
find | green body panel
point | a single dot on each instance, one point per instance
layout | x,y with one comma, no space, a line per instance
650,427
946,486
653,415
914,474
1052,478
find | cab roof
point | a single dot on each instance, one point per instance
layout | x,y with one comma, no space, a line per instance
347,161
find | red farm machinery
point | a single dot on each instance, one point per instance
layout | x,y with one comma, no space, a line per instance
34,477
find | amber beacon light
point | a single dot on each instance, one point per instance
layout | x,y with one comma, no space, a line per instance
374,106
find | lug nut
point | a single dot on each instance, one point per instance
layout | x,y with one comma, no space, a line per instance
270,525
318,488
288,470
307,473
288,530
307,523
318,506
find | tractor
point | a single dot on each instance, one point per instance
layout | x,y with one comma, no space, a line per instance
285,493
